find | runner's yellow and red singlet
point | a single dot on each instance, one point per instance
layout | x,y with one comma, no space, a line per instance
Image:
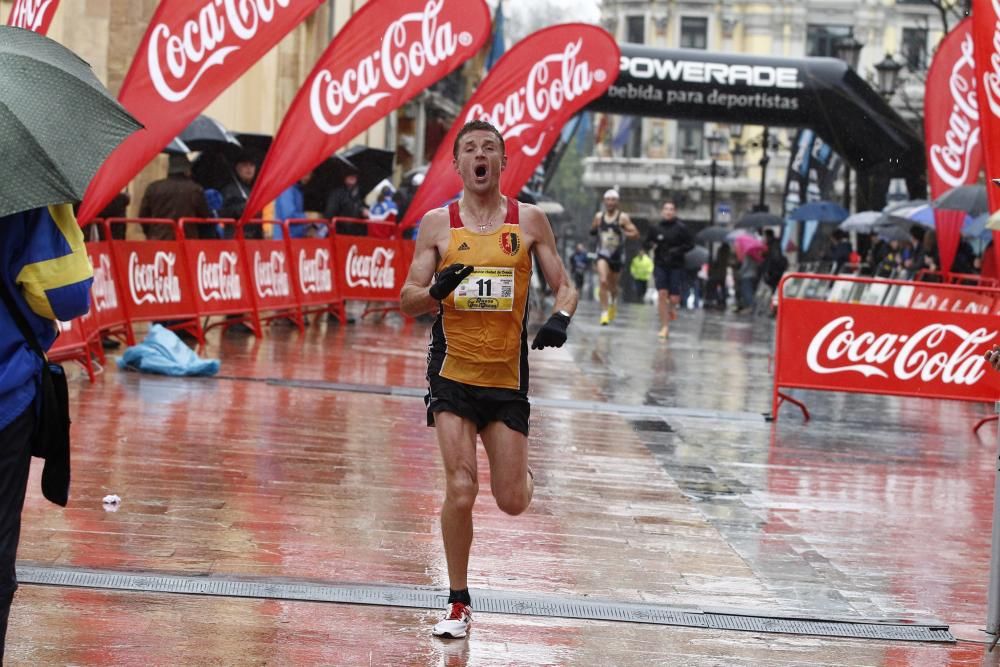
479,337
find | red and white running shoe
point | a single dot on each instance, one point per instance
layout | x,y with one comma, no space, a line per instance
456,622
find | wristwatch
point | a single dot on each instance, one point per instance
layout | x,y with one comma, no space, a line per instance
564,314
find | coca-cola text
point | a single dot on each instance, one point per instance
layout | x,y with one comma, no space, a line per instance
374,270
156,282
177,61
552,81
270,274
952,156
314,272
219,280
30,14
411,44
945,352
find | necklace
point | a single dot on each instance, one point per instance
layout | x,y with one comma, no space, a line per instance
478,221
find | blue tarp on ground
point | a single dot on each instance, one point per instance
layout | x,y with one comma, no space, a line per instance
162,352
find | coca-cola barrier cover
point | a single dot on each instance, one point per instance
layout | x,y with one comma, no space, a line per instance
388,52
528,95
35,15
192,51
879,350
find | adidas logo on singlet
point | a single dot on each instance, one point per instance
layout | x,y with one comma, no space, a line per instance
464,246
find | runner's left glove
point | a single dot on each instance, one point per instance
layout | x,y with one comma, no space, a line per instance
448,279
552,333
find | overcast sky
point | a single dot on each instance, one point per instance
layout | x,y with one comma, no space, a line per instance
526,16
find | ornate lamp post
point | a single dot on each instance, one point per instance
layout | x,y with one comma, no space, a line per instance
715,142
888,75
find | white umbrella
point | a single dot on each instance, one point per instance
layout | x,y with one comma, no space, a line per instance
862,221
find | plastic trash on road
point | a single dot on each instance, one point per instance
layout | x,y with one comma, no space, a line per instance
162,352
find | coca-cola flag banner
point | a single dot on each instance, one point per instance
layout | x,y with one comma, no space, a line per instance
191,52
951,129
531,92
986,37
388,52
34,15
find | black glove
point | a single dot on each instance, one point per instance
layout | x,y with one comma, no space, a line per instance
593,231
448,279
552,333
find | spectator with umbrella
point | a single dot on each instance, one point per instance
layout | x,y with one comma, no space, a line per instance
345,202
718,270
173,198
750,252
57,125
235,195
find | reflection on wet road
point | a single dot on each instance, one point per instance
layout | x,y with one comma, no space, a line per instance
879,508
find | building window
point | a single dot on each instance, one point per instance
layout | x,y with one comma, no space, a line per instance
635,29
690,133
694,32
915,48
821,40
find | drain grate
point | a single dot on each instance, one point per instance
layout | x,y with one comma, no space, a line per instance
486,601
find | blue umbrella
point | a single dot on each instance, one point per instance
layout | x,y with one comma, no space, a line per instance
975,228
820,211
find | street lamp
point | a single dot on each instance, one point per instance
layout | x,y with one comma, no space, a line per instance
689,153
714,142
735,131
764,159
888,75
848,49
739,155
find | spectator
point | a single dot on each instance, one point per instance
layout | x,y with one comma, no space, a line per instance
174,197
345,202
641,269
914,255
290,205
385,206
235,195
718,271
775,262
840,251
42,290
579,263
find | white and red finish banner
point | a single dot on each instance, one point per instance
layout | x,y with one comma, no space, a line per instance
35,15
986,36
388,52
880,350
528,96
951,129
192,51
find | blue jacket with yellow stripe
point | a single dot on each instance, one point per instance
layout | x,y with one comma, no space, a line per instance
44,265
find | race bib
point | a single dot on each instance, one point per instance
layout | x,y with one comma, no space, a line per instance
486,288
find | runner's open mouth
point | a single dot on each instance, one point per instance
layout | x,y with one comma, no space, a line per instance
480,171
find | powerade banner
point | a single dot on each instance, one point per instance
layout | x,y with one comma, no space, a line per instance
528,96
191,52
822,94
951,129
360,79
34,15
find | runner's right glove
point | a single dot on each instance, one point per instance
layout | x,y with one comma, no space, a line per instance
448,279
552,333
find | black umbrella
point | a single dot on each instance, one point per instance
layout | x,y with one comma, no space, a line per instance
57,122
326,177
254,145
695,257
968,198
176,147
759,220
713,234
207,134
373,164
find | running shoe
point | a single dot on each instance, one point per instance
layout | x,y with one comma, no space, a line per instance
612,311
456,622
664,332
605,319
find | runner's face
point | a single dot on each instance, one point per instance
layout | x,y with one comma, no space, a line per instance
611,203
669,211
480,161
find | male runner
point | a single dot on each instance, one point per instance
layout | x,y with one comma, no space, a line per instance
611,227
480,249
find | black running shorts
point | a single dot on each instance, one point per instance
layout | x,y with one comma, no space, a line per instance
481,405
